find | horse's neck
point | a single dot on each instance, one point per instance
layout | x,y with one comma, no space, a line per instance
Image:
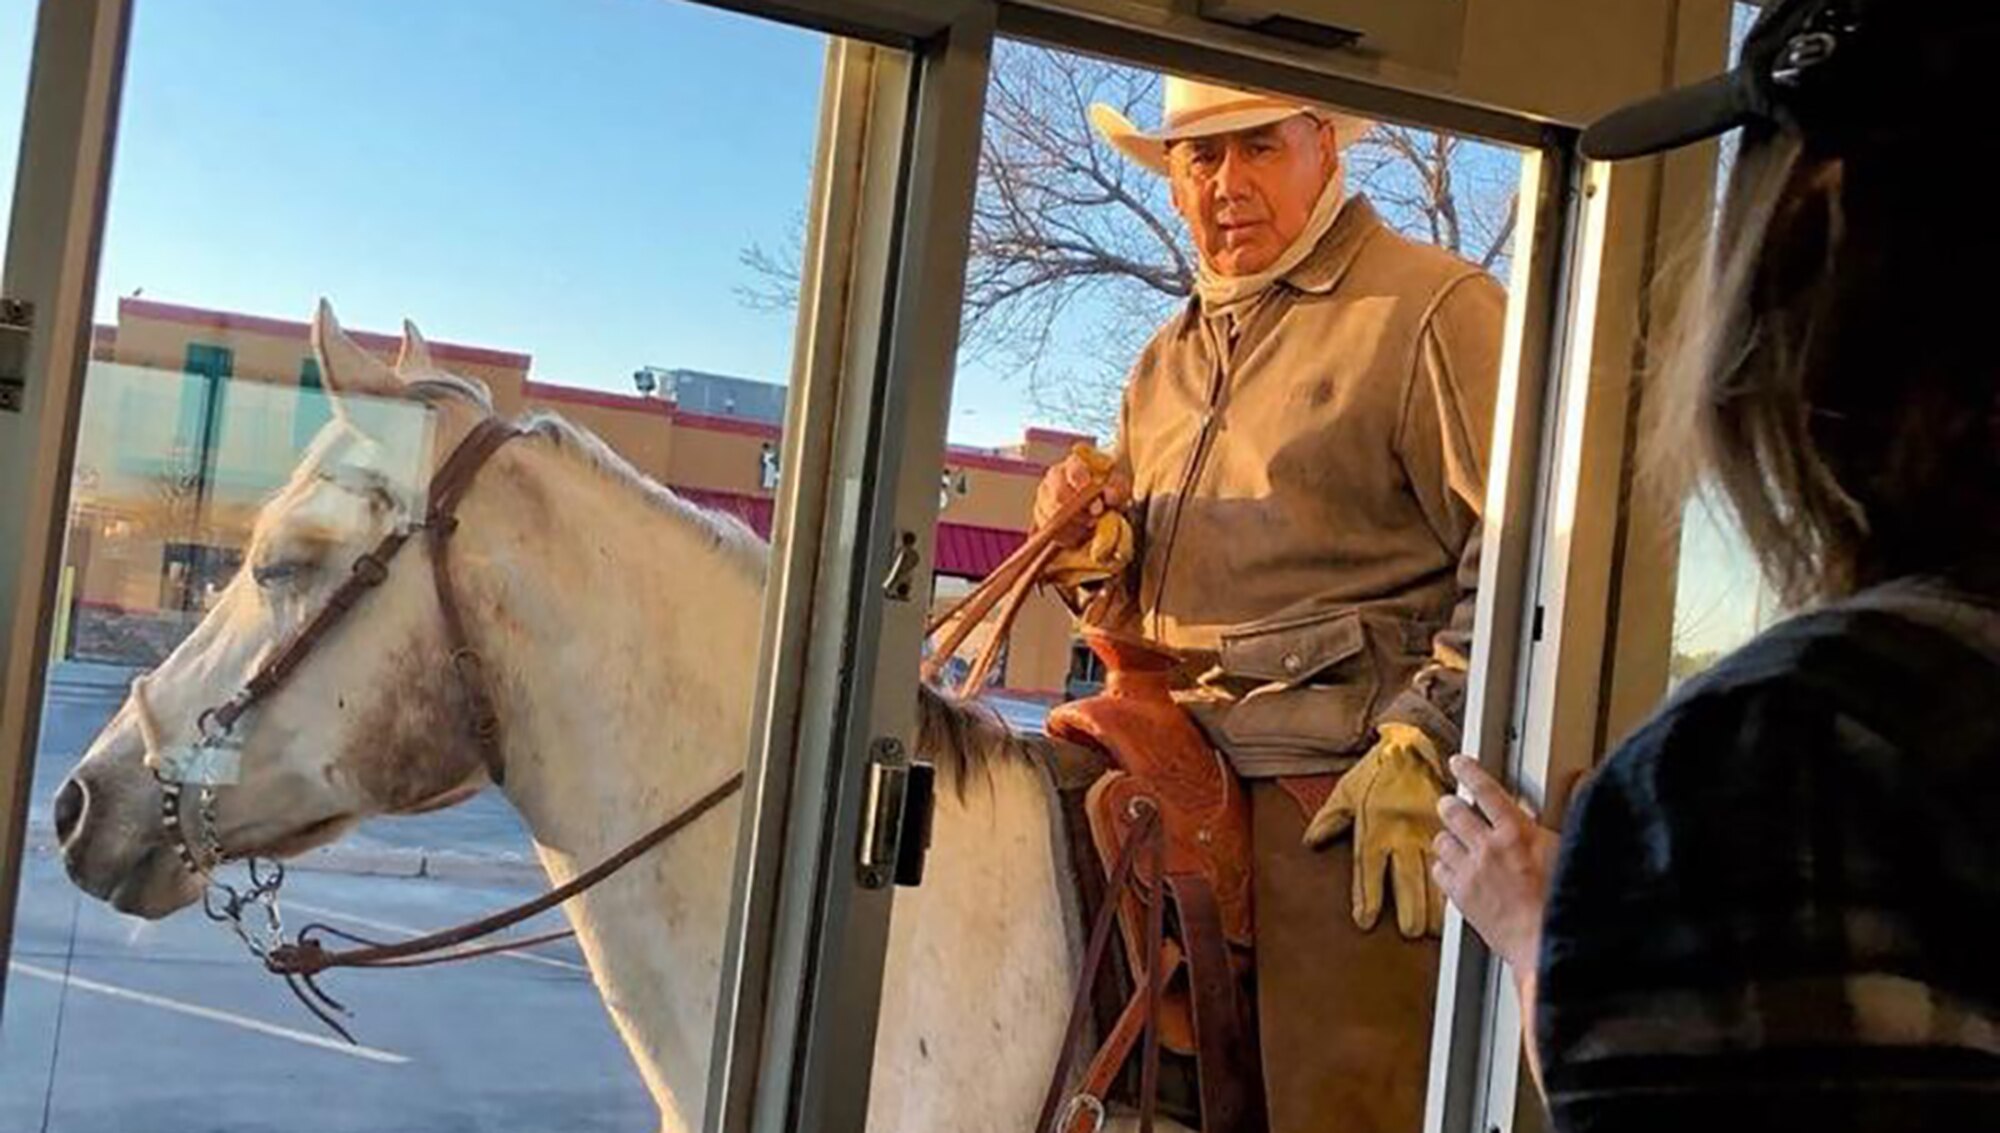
980,967
626,646
623,645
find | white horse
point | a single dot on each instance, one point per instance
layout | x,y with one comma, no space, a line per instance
619,629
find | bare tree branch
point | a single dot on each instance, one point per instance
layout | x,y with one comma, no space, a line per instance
1076,255
773,276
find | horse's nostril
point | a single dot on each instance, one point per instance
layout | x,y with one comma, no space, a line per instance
69,808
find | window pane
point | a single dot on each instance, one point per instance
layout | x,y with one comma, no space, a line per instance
17,34
558,195
1720,601
1300,528
1078,258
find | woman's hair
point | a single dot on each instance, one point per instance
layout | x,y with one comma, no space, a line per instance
1833,375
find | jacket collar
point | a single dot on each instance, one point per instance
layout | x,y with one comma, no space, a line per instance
1323,270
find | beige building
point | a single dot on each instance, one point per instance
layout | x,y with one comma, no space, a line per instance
193,416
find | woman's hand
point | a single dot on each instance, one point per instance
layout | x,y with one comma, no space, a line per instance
1494,863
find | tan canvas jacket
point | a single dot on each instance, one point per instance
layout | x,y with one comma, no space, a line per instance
1308,485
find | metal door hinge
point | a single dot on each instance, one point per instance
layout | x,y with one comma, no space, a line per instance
896,819
17,320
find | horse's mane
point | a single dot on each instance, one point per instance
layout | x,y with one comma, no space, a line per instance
966,740
729,535
963,738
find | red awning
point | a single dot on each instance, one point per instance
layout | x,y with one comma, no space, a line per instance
963,550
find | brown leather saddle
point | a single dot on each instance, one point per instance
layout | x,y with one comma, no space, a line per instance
1169,825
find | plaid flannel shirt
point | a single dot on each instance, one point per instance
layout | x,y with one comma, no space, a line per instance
1778,905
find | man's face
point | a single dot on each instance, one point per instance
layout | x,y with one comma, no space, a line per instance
1246,196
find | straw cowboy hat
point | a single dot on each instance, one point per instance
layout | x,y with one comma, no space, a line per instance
1199,110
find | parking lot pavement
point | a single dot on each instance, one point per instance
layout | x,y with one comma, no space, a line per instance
114,1025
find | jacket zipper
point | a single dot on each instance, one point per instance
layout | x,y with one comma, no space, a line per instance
1216,381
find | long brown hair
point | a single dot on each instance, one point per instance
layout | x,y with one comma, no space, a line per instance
1835,374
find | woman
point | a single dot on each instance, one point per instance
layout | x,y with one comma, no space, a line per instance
1772,907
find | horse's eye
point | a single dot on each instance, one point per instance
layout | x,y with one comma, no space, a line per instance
278,573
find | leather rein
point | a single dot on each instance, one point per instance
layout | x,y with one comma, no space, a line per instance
1007,587
305,956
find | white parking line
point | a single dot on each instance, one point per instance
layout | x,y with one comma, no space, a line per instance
407,931
366,1053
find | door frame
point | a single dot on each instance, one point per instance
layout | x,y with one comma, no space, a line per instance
55,230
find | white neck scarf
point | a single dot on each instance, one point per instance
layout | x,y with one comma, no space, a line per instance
1225,294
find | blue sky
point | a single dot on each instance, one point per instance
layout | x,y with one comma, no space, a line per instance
17,31
570,178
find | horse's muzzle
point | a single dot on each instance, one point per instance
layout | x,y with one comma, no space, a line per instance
112,844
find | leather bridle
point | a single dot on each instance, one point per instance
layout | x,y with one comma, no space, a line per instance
447,489
304,957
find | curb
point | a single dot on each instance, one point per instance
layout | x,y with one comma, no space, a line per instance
365,861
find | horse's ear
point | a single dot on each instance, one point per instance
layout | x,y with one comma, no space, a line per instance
415,360
346,369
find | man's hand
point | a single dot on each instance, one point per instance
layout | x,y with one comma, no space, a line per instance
1072,475
1104,555
1494,862
1390,799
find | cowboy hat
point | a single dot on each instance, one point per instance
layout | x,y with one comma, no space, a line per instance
1201,110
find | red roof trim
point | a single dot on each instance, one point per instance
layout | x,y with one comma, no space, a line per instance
286,328
1058,437
964,550
955,456
601,399
740,425
993,462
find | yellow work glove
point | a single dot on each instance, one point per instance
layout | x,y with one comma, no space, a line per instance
1108,551
1107,555
1390,800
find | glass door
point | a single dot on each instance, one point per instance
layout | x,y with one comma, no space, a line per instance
231,402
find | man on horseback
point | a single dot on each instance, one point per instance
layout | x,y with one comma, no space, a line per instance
1301,455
